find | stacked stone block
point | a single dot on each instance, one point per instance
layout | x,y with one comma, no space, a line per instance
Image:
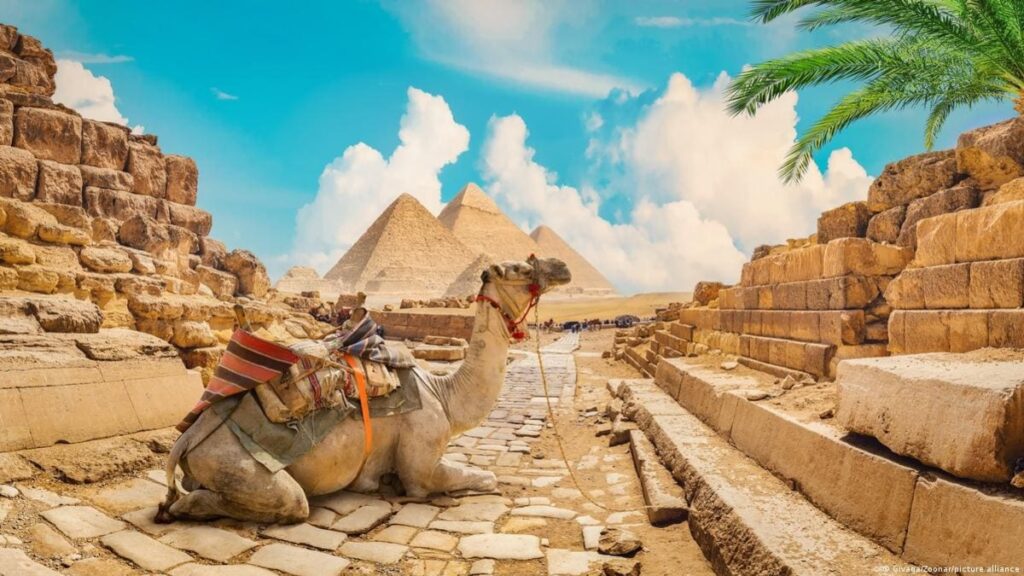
93,212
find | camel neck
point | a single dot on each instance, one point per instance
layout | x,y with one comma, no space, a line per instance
472,390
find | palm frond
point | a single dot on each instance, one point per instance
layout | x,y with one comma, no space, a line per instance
768,10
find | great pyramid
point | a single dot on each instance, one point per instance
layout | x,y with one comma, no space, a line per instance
406,251
585,277
478,222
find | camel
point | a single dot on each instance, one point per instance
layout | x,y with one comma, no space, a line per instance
229,482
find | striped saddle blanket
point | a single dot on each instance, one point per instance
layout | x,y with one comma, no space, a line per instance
292,382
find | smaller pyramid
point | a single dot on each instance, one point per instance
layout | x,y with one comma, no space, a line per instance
585,277
478,223
468,282
405,251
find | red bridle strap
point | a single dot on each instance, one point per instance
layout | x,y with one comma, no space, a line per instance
513,325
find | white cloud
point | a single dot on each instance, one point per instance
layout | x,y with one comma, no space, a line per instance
98,58
358,185
679,22
687,147
222,95
663,246
513,41
90,95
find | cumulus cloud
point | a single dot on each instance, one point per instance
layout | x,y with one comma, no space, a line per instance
512,41
358,185
222,95
90,95
98,58
667,245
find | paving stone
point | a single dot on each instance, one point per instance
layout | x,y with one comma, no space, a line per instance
545,512
322,517
16,563
143,520
100,567
143,551
158,476
463,526
205,570
209,542
363,519
434,540
479,432
418,515
475,511
8,491
483,567
624,517
533,501
587,521
510,459
298,561
378,552
48,543
82,521
501,546
569,562
346,502
308,535
125,496
47,497
546,481
571,494
514,480
395,534
591,536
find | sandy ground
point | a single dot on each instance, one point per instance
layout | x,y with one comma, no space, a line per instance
566,308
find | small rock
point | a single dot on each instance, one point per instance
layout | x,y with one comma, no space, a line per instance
755,395
618,542
621,568
730,365
483,567
8,491
826,414
788,383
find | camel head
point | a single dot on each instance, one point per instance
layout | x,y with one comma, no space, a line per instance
514,287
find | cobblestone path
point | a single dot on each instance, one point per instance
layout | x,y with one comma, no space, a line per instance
538,523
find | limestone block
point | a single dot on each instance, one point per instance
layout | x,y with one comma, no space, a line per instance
961,197
32,78
30,49
74,216
918,331
106,178
906,291
144,233
8,278
23,219
847,221
49,134
911,178
191,334
997,284
59,183
146,165
104,145
842,293
212,252
192,218
37,278
121,206
990,233
18,170
105,259
802,264
962,413
885,226
946,286
936,241
992,155
705,292
1006,329
61,234
182,179
1009,192
252,275
66,315
16,251
223,284
6,122
860,256
8,67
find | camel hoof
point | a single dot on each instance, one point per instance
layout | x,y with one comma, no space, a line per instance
163,515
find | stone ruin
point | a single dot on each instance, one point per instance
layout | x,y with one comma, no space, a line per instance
110,285
875,367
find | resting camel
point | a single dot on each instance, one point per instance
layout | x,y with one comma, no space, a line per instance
231,483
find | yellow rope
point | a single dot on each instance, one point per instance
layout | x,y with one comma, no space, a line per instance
558,436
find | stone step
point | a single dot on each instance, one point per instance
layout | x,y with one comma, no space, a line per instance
809,357
840,293
853,479
746,520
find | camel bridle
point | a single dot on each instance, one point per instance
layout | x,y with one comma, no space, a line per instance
514,319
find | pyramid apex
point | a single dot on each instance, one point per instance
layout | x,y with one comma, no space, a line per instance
473,196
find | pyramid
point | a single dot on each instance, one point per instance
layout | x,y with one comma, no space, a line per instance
478,222
468,281
405,251
585,277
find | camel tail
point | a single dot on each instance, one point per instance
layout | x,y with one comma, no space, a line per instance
181,445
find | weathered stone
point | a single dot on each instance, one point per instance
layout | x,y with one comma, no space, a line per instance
14,562
298,561
418,515
705,292
100,567
47,543
6,122
663,497
182,179
860,256
104,229
885,226
463,526
59,183
104,145
189,334
961,197
32,50
18,170
191,218
847,221
145,552
105,259
49,134
38,279
146,166
130,495
618,542
82,521
945,286
912,178
307,536
501,546
978,398
106,178
434,540
990,233
66,315
212,543
212,252
73,216
363,519
1009,192
544,512
16,251
121,205
475,512
252,275
208,570
992,155
997,284
145,233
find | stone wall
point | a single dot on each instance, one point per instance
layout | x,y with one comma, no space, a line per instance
419,325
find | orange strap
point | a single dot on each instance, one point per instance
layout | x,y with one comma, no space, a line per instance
364,404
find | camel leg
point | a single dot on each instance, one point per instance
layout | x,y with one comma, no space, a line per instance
235,485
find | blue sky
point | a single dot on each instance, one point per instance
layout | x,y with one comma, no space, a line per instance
264,96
